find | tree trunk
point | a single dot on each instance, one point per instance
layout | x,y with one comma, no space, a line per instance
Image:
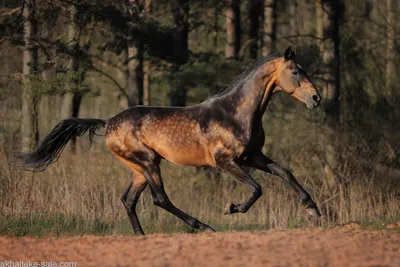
270,17
180,11
254,15
135,75
135,61
146,82
232,24
123,77
47,102
72,99
319,14
146,65
72,64
137,79
216,28
390,45
29,114
328,14
331,60
293,31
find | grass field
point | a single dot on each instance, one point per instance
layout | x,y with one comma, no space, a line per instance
81,195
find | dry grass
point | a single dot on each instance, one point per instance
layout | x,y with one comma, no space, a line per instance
81,193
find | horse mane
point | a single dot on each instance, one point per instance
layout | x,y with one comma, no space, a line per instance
249,69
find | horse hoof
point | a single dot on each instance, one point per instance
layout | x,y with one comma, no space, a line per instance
209,230
311,208
229,209
313,212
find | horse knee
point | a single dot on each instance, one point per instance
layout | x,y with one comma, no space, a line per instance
258,191
285,174
160,202
124,195
123,198
129,205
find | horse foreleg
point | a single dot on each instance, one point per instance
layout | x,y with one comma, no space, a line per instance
263,163
237,171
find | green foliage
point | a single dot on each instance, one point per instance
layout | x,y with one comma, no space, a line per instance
368,134
293,223
39,225
60,84
208,77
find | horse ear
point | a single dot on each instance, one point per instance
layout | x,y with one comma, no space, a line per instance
288,53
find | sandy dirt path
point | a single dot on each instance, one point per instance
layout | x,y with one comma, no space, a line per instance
301,247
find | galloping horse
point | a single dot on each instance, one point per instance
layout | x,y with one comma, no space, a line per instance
225,131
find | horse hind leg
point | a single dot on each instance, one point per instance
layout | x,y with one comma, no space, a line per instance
160,199
145,164
131,195
130,198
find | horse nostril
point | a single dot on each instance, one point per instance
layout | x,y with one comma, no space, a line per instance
316,98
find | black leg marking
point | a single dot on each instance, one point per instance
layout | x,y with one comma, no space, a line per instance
160,199
263,163
245,178
129,198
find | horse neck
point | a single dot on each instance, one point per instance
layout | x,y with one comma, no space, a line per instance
253,94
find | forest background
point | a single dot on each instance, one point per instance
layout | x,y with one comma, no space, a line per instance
94,58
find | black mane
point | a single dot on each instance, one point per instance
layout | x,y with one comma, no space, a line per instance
246,72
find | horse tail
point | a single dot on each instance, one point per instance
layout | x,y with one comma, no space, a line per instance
50,149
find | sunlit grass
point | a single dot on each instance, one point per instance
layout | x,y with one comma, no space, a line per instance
80,194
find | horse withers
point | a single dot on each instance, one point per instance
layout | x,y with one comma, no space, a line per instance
225,132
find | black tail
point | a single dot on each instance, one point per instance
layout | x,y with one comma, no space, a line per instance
52,146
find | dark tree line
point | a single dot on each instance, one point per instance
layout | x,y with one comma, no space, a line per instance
196,44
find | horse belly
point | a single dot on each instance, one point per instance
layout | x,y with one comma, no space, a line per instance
179,145
192,155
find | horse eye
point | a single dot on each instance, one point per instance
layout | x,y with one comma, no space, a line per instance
295,72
